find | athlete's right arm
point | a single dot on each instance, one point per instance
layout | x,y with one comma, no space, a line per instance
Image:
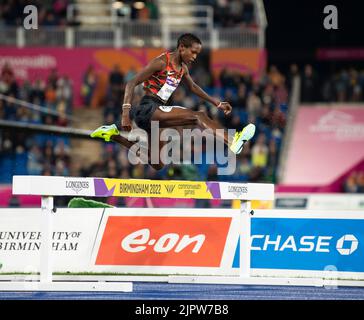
157,64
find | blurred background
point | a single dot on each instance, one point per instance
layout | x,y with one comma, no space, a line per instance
274,61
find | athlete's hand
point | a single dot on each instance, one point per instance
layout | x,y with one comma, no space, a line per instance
125,120
225,106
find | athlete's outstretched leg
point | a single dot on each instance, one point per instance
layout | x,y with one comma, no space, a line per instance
173,117
185,117
121,140
128,144
112,133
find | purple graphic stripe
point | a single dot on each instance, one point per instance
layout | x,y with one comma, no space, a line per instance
214,188
101,189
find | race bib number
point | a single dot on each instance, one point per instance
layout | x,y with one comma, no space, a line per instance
168,88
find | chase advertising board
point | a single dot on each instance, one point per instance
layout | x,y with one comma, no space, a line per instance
306,244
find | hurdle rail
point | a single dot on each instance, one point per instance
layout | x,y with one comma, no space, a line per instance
50,186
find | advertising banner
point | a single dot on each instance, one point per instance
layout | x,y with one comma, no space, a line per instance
36,63
290,243
159,241
306,243
73,236
246,61
319,201
321,133
340,54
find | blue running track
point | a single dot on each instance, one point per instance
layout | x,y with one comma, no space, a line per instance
167,291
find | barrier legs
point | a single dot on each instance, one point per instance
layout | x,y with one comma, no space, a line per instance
46,260
245,232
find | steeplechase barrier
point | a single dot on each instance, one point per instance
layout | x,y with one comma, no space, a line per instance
230,223
177,245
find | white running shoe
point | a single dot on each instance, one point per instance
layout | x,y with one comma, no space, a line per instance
241,137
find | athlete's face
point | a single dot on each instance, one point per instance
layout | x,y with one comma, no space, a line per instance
189,54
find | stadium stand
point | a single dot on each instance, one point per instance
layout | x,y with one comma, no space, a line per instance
39,153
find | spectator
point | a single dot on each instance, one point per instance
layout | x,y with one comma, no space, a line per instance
308,85
354,88
37,95
254,104
88,85
248,12
116,77
130,74
292,77
260,152
241,100
50,97
276,78
244,168
60,9
152,9
50,19
360,182
8,84
14,202
35,166
64,91
227,78
37,150
116,84
350,184
341,86
12,12
354,183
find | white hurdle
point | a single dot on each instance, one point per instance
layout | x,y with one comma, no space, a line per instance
50,186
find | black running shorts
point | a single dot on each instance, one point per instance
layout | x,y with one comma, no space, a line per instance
142,114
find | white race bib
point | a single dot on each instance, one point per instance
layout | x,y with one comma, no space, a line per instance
168,88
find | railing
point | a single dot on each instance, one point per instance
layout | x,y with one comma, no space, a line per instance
115,13
261,20
128,34
97,13
185,16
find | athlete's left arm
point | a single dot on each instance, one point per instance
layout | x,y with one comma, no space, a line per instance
197,90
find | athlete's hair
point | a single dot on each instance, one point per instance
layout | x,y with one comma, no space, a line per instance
188,39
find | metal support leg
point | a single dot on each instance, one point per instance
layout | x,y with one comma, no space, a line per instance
46,246
245,232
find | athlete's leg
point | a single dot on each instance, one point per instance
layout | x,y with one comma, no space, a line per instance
160,164
185,117
121,140
173,117
128,144
112,133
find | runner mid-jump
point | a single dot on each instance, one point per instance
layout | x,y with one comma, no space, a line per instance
161,78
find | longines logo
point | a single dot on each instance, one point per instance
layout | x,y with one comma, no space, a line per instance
77,186
238,190
170,188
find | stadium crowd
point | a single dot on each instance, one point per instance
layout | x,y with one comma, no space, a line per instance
232,13
23,153
344,85
354,183
227,13
50,13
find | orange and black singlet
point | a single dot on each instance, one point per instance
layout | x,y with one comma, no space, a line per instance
163,83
